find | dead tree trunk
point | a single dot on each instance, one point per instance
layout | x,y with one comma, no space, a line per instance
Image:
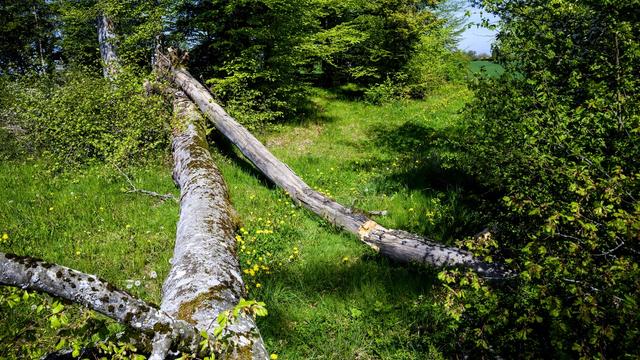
396,244
205,277
96,294
106,40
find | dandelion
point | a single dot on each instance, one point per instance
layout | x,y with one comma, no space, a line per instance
273,357
258,285
77,253
5,236
51,209
345,259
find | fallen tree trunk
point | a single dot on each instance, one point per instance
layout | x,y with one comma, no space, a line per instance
96,294
205,277
396,244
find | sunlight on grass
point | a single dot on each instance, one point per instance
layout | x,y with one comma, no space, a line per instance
328,295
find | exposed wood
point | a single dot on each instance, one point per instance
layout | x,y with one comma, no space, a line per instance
96,294
106,41
205,277
396,244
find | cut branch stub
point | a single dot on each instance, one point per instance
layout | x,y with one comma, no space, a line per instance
395,244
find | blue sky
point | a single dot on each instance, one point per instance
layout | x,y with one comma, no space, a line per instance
477,38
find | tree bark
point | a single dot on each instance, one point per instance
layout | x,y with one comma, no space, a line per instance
205,277
396,244
106,40
96,294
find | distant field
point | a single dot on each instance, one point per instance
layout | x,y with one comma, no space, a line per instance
491,69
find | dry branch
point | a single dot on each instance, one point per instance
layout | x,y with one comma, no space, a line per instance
134,189
395,244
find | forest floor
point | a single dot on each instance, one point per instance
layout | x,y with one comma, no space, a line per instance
328,295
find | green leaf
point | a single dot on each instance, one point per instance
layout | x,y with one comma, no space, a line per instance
57,308
355,312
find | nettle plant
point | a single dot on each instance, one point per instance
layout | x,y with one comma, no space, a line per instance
558,135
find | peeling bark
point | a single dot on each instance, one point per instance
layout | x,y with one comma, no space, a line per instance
205,276
396,244
96,294
106,40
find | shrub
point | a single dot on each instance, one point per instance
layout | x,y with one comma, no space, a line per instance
558,136
433,64
385,92
76,118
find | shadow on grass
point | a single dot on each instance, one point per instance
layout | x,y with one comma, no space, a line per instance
307,303
425,157
219,143
422,150
349,92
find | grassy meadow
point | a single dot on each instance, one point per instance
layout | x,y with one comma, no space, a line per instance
328,295
488,68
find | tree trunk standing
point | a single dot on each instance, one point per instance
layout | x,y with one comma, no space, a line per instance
96,294
396,244
106,40
205,277
40,49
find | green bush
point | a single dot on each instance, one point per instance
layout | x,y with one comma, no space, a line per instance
257,99
385,92
433,64
75,118
558,137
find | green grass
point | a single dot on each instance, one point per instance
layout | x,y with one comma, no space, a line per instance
328,295
488,68
84,220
